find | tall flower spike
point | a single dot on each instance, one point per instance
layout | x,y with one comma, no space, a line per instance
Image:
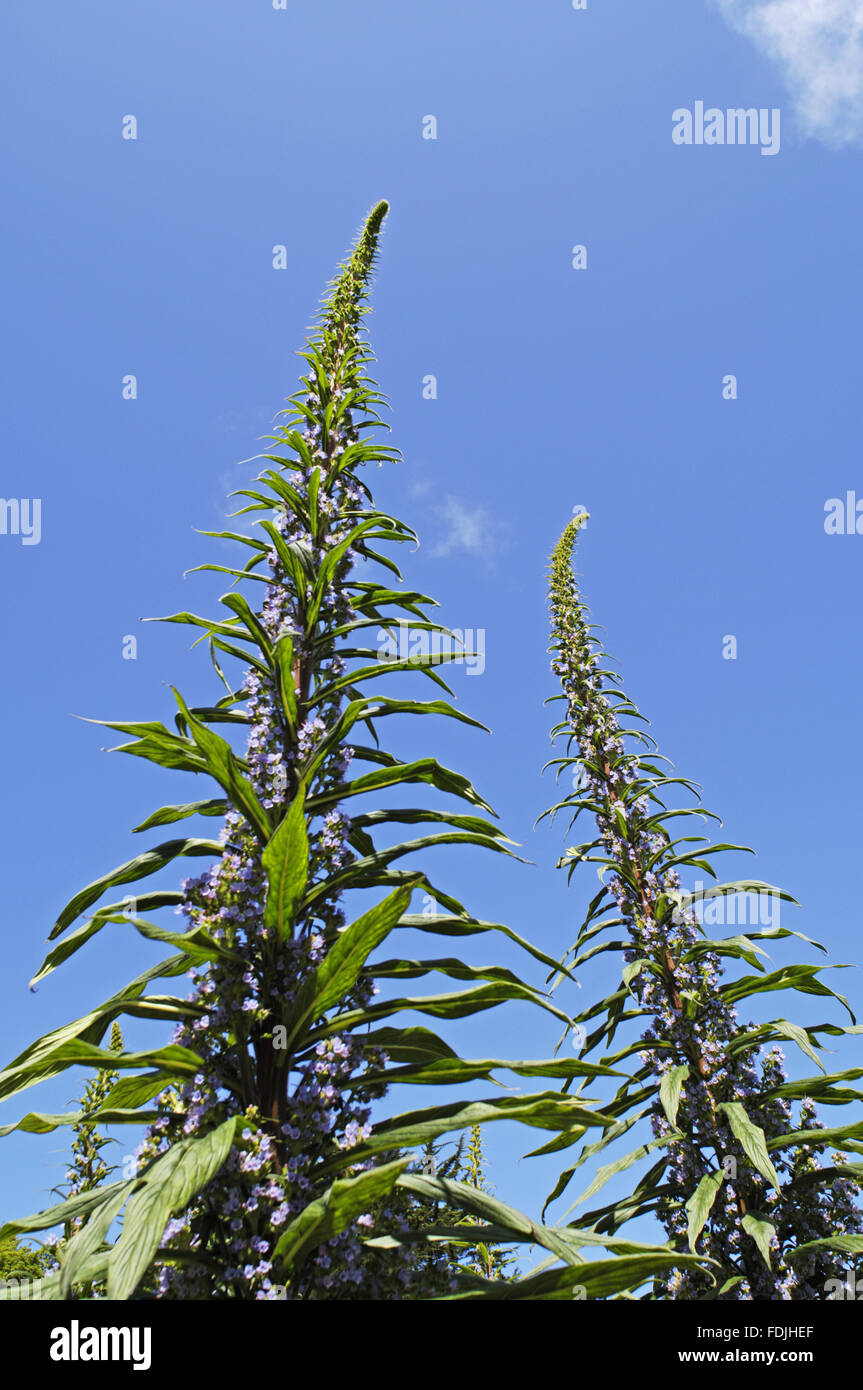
739,1178
296,757
88,1169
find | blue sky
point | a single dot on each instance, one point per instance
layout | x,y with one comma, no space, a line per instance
557,387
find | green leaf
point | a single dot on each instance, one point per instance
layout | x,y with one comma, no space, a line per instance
700,1203
817,1137
130,1092
341,966
110,913
670,1089
223,766
609,1170
370,870
166,815
142,867
422,770
740,886
283,654
89,1240
762,1232
168,1187
799,977
466,1197
800,1036
548,1110
631,971
286,864
597,1279
81,1205
457,1004
448,1070
57,1050
458,926
344,1200
752,1140
196,943
415,1044
241,607
38,1123
846,1245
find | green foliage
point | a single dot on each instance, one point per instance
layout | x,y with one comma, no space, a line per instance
18,1261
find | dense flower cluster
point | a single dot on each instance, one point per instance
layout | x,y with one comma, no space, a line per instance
676,979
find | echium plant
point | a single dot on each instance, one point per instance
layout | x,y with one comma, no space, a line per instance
263,1172
88,1169
740,1177
484,1258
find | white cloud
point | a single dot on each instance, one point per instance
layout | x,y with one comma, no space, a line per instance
471,529
819,44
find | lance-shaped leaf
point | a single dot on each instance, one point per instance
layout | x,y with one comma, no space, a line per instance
609,1170
598,1279
38,1123
845,1245
414,1044
469,1198
461,926
670,1090
130,1092
548,1110
798,977
168,1187
341,966
145,864
700,1204
286,864
223,765
326,1216
83,1204
762,1231
88,1241
752,1140
448,1071
458,1004
397,774
111,913
167,815
54,1052
249,620
284,669
819,1137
